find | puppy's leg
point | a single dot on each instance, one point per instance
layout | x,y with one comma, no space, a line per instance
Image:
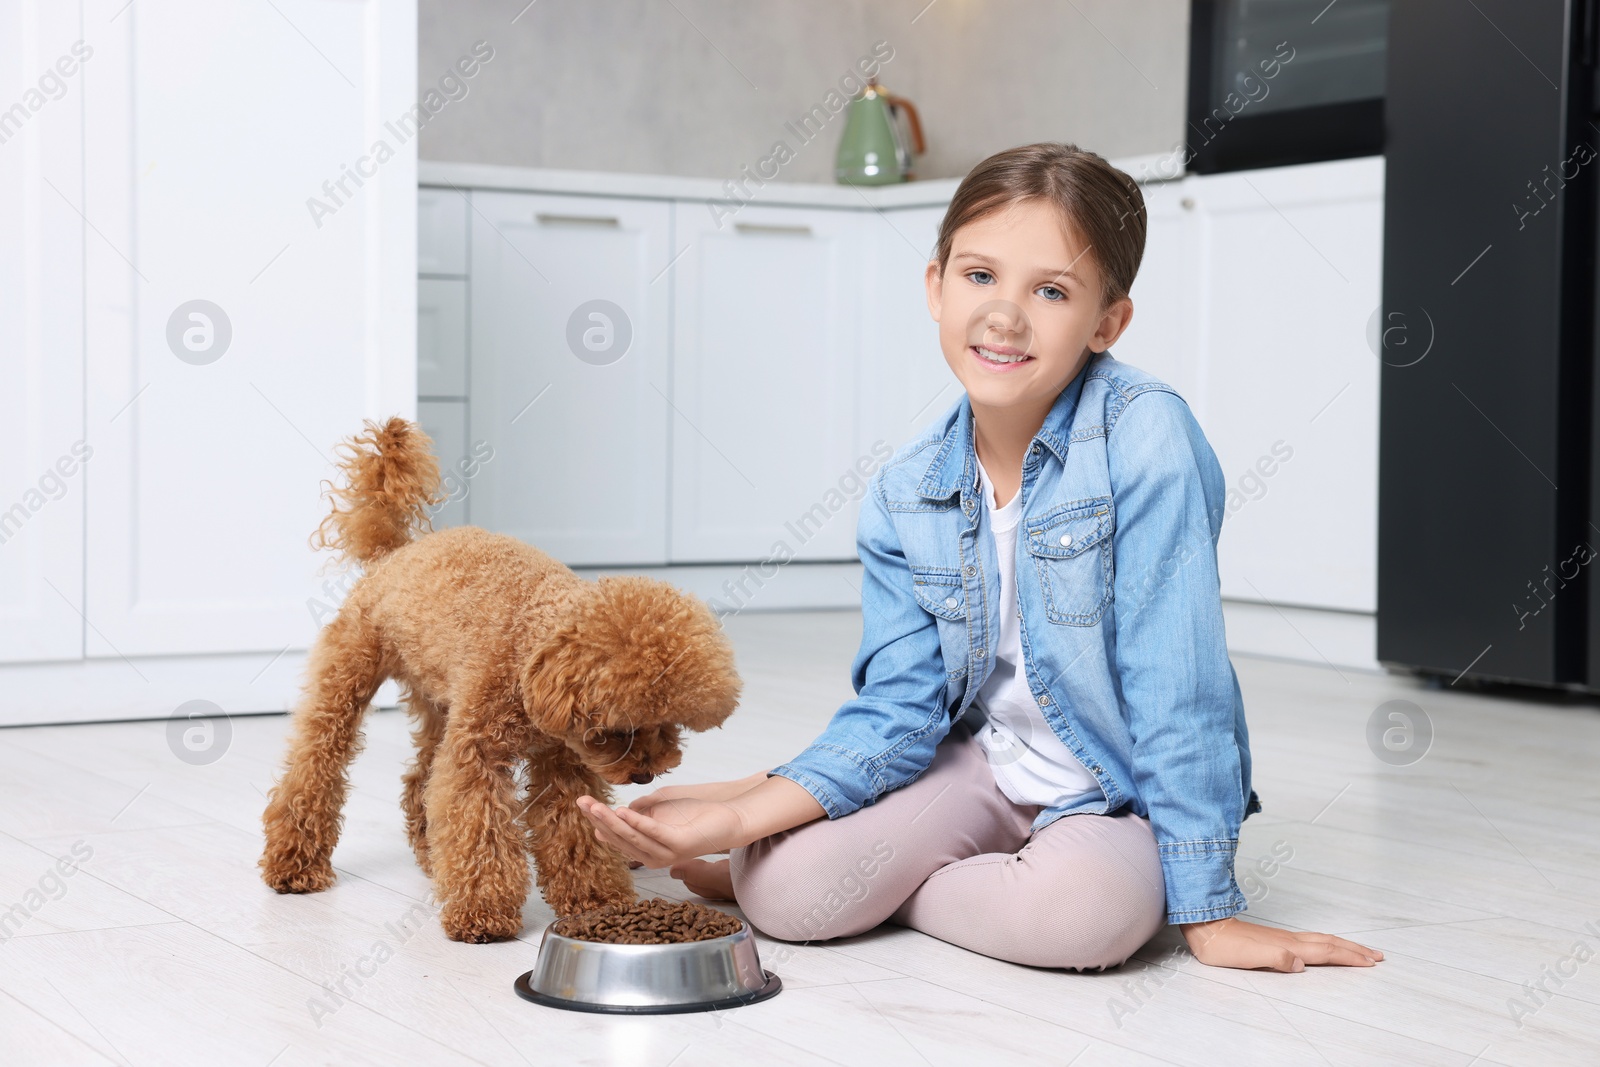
576,871
477,851
303,814
429,717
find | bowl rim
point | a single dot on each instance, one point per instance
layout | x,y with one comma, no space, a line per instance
554,937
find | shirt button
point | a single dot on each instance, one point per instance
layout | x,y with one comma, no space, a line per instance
1034,449
969,570
1044,700
978,652
1066,539
950,602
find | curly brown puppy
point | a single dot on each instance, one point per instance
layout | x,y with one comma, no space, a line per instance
506,659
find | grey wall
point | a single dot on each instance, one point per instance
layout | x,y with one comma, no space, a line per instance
701,87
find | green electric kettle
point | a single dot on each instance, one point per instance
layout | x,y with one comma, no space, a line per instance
872,149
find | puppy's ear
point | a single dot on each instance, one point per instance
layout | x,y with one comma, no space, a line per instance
553,682
662,653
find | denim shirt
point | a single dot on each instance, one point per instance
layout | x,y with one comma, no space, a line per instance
1121,619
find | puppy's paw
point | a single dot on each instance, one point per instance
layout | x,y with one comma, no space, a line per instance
478,927
297,878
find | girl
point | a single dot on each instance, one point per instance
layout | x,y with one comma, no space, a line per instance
1046,758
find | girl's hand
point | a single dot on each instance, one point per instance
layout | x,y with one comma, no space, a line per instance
673,831
1232,942
702,791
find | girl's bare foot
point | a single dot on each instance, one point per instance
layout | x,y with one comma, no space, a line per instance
712,880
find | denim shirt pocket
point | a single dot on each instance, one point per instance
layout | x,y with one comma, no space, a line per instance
1071,549
939,592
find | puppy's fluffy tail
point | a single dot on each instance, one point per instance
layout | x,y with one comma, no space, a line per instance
392,478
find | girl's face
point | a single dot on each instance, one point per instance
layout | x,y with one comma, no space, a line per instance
1018,307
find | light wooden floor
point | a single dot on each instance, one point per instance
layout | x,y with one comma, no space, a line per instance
1475,870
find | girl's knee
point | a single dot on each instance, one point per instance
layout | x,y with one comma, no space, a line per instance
1113,944
1100,919
1094,940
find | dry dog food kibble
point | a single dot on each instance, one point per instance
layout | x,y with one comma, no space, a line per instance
656,921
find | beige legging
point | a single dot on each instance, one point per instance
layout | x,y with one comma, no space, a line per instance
950,855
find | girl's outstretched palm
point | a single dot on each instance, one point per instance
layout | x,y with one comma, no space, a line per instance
1232,942
673,831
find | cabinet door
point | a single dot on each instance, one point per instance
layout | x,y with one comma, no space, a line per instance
569,380
240,318
1289,268
42,451
764,384
905,382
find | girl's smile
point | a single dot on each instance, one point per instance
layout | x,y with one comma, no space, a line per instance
1000,359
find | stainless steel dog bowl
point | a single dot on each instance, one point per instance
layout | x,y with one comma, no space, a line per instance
719,972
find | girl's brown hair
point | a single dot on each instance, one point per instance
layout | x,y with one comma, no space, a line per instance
1100,205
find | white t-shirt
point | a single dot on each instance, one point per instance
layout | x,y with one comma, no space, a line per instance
1030,763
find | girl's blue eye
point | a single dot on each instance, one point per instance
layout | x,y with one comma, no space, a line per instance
973,275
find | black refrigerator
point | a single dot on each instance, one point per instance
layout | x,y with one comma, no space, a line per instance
1487,490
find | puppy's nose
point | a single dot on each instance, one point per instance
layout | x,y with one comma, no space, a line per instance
642,777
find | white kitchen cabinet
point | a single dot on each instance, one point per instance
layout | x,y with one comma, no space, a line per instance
764,385
42,446
442,346
1252,301
905,382
234,333
1288,270
570,385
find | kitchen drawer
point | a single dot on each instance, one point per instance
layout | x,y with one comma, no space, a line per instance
441,232
442,337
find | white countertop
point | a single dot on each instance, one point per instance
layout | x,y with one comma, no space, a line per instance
672,187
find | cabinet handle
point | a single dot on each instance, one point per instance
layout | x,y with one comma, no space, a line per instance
583,220
762,227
